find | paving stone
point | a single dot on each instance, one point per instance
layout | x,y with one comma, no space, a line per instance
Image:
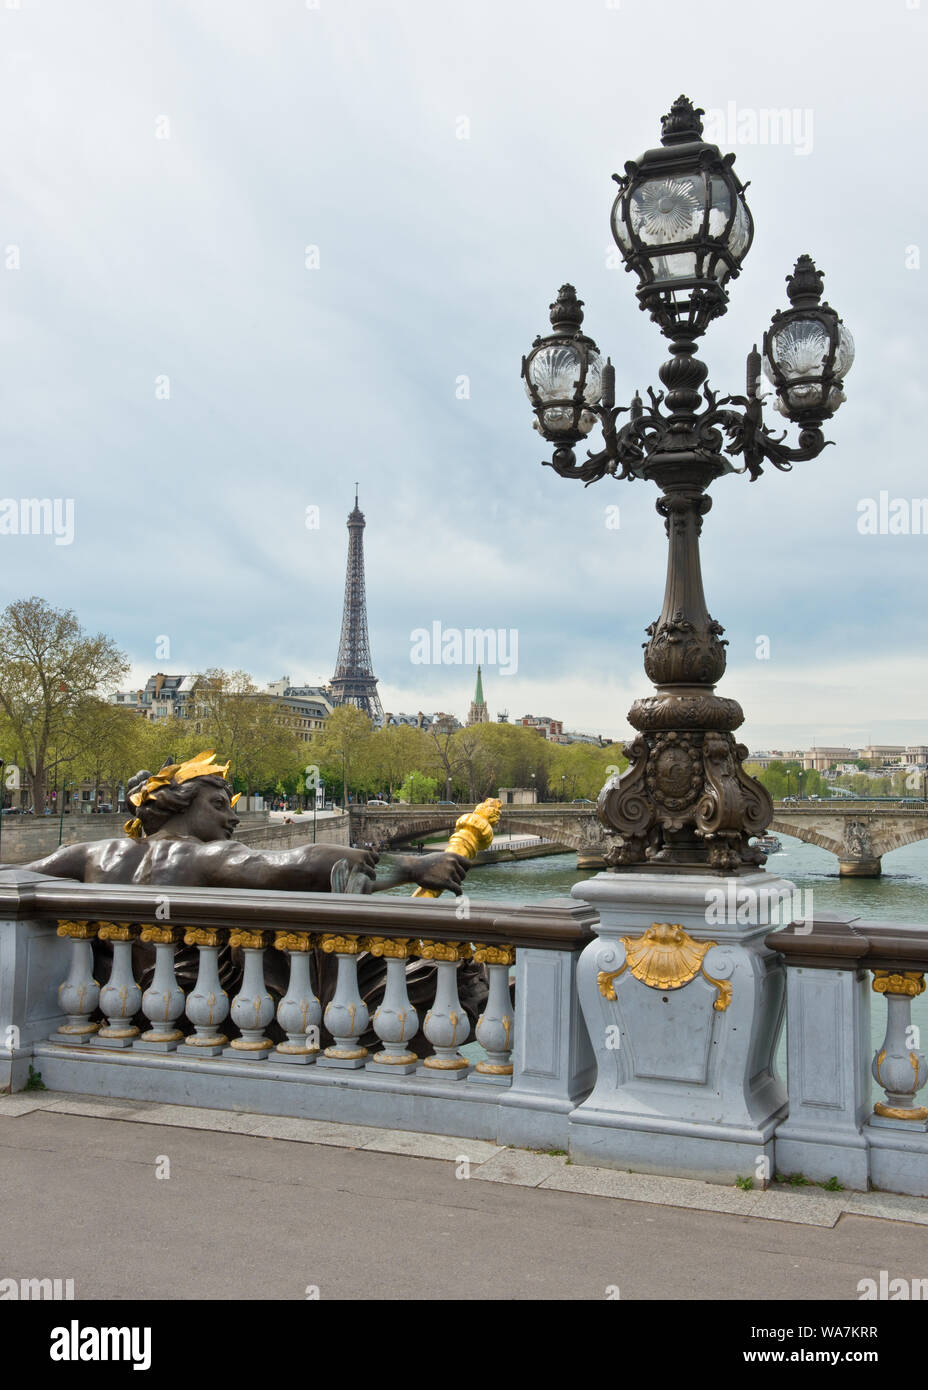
651,1187
194,1117
315,1131
888,1205
13,1106
434,1146
520,1166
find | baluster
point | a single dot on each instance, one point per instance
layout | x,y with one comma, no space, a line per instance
120,997
898,1067
346,1015
446,1024
207,1002
299,1012
494,1026
163,1001
252,1007
395,1020
79,994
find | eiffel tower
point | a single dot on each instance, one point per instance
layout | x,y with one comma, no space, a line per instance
354,682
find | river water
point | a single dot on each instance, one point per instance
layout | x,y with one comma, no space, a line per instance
900,895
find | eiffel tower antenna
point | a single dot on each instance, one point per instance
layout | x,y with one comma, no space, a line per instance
354,682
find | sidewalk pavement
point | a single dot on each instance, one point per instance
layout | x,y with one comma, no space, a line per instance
250,1206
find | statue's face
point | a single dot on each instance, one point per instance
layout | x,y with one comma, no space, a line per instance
210,816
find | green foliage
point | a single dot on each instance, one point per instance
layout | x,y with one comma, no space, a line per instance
832,1185
418,788
34,1081
53,677
774,778
746,1184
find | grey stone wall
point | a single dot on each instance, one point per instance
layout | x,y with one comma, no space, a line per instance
26,838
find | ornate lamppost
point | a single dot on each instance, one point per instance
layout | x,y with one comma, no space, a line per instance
682,225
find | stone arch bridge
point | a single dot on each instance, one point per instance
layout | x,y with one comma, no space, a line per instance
858,832
389,827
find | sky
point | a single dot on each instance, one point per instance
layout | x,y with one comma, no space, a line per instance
254,251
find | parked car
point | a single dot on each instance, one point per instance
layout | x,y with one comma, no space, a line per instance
584,799
446,803
11,811
378,803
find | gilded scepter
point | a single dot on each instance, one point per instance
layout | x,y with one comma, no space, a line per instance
472,833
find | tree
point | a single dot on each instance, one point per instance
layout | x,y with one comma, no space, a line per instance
49,669
112,745
245,725
341,748
396,751
418,788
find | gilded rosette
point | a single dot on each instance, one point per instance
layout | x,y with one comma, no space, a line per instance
203,936
79,931
294,941
495,955
472,833
249,940
118,931
445,950
401,948
910,982
331,943
160,936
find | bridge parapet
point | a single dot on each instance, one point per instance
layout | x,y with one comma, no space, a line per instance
859,835
833,1130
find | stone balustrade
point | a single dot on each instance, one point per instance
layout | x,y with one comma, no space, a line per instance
594,1050
834,1130
533,1065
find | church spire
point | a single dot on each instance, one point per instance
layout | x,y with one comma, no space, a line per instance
477,714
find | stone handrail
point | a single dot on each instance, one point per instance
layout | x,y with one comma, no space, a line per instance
833,1130
536,1061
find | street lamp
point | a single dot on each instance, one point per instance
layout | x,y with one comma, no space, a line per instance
683,227
800,774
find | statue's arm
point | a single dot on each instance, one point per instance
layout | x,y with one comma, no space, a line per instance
67,861
306,869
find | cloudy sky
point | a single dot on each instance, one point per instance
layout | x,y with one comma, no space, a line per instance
252,251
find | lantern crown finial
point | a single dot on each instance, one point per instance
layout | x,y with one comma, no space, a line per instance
806,284
566,311
682,122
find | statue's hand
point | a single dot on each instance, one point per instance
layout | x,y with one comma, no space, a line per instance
441,871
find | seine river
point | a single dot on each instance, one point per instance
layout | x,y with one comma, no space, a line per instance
901,895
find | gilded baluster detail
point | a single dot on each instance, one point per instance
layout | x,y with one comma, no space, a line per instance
79,994
252,1008
299,1013
207,1002
494,1026
163,1001
395,1020
346,1015
446,1024
120,997
898,1067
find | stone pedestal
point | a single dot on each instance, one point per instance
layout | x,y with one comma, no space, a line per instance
683,1004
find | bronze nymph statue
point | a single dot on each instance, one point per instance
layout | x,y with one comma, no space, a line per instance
182,835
